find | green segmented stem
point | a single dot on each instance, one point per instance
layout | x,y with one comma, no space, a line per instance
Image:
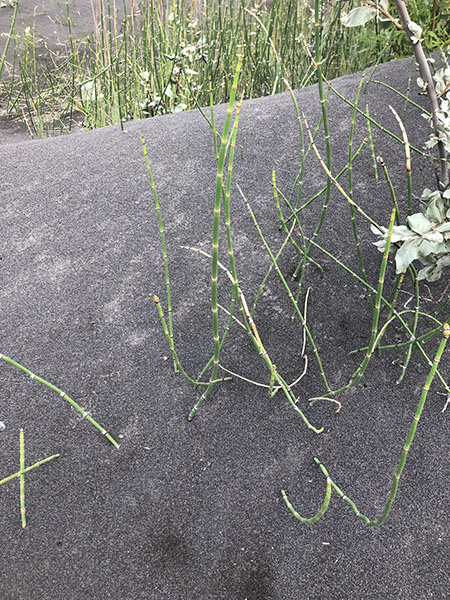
22,479
391,188
350,193
404,455
289,292
357,375
422,338
336,183
269,270
323,103
376,312
404,366
256,340
215,242
74,405
320,192
304,153
406,98
407,158
9,36
172,348
272,380
162,238
394,296
283,222
73,58
388,304
28,469
372,148
222,341
246,316
322,510
372,120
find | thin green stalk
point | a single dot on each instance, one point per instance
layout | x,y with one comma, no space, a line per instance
378,125
283,222
289,292
388,304
394,295
336,183
372,148
12,24
322,510
22,480
404,366
405,98
28,469
321,191
422,338
269,270
323,102
376,312
252,331
222,341
74,405
358,374
407,158
163,248
391,188
175,355
350,193
73,58
215,242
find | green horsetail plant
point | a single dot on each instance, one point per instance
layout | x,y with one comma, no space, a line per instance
253,333
77,407
179,368
358,374
163,248
21,475
289,293
9,37
317,61
401,464
297,211
215,241
28,469
247,320
371,120
404,324
372,148
322,510
22,479
350,193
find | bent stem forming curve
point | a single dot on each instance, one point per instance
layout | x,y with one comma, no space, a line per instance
401,464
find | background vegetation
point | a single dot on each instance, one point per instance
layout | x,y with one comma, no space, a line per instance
157,58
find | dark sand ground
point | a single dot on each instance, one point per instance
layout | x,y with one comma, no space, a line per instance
194,511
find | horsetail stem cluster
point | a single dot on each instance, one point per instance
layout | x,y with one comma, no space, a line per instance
383,306
215,241
163,248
